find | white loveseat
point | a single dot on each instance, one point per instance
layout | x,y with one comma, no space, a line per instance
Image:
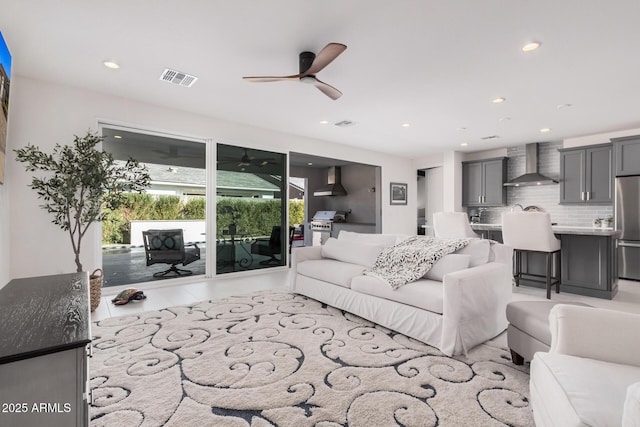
591,374
455,307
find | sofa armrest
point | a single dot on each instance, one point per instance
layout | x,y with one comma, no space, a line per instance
297,256
474,305
501,253
631,412
595,333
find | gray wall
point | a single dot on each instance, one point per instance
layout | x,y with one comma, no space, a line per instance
545,196
358,180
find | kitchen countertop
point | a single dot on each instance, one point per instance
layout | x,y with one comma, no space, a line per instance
558,229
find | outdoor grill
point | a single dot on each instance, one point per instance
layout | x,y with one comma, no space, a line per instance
323,220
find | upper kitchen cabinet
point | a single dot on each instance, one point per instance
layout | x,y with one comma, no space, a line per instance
627,155
483,182
586,175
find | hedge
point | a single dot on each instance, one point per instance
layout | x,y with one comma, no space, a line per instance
251,216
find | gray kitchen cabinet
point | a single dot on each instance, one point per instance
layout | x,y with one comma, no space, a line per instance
627,155
586,175
483,182
589,265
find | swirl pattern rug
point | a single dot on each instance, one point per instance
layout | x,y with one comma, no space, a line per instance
279,359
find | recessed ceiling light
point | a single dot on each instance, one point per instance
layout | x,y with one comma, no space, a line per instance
117,136
545,130
406,125
464,144
111,64
324,122
531,46
310,164
499,100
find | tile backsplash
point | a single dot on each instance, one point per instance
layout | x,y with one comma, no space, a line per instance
546,197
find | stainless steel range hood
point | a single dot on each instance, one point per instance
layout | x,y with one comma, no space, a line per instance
333,187
531,176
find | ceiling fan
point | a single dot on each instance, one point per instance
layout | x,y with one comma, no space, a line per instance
246,160
310,65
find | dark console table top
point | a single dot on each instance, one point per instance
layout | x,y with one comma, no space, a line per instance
42,315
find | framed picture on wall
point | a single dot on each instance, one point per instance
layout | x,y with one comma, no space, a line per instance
398,193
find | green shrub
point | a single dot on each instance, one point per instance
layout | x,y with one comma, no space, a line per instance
194,209
296,212
167,208
253,217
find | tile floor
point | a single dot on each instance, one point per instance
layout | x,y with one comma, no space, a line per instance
187,291
627,299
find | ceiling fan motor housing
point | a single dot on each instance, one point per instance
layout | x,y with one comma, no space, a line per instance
306,59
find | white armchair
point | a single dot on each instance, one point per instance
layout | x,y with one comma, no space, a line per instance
591,375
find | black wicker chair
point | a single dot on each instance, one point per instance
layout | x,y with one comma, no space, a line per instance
272,246
167,247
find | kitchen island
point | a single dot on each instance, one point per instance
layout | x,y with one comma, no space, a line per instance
589,263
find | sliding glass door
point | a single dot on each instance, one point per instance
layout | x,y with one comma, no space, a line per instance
159,234
252,229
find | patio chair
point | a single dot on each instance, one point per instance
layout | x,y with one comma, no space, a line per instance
272,246
167,247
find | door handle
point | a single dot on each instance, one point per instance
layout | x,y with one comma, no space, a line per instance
582,195
588,195
479,199
628,245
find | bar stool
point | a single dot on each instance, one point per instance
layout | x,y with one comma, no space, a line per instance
453,225
531,232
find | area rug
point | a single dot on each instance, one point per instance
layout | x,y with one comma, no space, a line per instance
279,359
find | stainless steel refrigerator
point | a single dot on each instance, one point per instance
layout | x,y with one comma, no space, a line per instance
628,222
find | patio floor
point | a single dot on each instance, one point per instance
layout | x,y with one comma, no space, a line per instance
127,265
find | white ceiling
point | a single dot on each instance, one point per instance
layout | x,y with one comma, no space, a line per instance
434,64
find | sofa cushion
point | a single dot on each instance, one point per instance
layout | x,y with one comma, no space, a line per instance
478,249
329,270
447,264
368,238
590,390
423,293
351,252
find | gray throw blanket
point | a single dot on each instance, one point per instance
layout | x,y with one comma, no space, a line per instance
409,260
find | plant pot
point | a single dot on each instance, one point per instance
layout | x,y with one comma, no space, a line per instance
95,288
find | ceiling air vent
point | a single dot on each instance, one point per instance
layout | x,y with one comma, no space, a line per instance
178,78
486,138
345,123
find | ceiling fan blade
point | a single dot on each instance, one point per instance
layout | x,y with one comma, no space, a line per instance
325,56
328,90
271,78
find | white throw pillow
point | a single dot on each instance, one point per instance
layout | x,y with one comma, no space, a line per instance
364,254
368,238
478,249
448,264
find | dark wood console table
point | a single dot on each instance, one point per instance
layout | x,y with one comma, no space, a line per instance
45,337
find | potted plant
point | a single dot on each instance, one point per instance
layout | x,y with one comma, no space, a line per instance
76,181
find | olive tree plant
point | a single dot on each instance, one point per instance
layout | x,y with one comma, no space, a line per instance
76,180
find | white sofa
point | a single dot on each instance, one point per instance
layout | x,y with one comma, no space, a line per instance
591,374
455,309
